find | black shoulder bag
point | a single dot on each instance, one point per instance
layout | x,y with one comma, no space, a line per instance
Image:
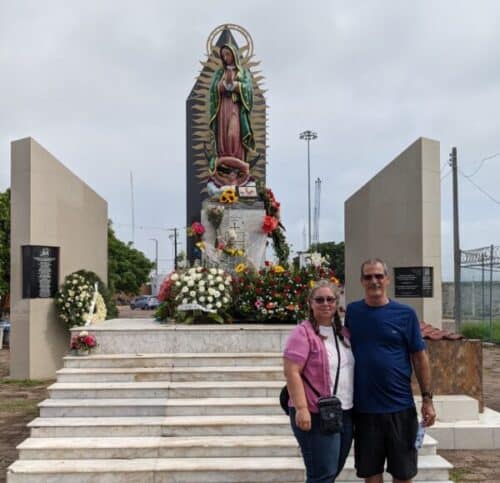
330,407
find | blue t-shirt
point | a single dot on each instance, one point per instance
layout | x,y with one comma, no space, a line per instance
382,340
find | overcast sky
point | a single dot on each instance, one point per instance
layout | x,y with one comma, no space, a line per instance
102,86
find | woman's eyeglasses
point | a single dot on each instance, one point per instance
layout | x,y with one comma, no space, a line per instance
322,300
378,276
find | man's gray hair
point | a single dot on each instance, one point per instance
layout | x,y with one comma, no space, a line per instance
373,261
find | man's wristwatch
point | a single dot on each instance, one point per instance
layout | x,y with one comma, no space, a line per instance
427,394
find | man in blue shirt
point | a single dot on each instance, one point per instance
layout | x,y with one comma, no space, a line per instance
386,340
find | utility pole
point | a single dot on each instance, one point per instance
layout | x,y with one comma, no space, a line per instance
308,136
175,245
456,241
132,206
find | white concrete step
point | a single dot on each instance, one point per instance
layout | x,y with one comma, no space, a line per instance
169,470
150,360
125,390
454,407
173,447
158,447
174,374
160,426
187,470
114,407
481,434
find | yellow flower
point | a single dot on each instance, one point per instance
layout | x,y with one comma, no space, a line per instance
240,252
335,280
311,283
278,269
201,245
228,196
240,268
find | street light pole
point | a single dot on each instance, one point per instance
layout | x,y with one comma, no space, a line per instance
308,136
156,254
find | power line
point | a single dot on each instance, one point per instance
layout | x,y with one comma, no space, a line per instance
479,188
481,163
446,175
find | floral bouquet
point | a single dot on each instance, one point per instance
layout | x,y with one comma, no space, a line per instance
78,301
74,299
83,341
198,294
276,293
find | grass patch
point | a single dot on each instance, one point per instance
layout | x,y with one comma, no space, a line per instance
457,474
481,330
24,382
19,405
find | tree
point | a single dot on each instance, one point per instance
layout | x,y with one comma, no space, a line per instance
335,253
128,268
4,244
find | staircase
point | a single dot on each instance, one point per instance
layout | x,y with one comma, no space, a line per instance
173,417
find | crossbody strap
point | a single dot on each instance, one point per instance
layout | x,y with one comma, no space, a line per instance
338,368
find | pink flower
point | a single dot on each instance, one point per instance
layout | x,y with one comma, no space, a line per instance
197,228
258,304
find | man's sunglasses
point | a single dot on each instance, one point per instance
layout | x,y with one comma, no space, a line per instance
378,276
322,300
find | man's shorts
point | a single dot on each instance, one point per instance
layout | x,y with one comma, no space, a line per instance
390,436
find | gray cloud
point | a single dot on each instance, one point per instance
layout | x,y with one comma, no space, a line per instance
102,85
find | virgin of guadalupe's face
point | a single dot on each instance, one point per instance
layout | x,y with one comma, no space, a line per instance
227,56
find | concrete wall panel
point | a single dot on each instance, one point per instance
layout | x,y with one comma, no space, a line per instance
396,216
53,207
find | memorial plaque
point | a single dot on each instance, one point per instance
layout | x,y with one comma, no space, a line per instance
413,282
40,271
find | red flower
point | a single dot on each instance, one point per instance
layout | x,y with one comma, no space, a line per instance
269,224
270,305
89,340
197,228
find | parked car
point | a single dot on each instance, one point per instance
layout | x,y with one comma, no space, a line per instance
153,303
140,302
144,302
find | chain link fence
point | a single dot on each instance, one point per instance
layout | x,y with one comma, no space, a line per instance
480,293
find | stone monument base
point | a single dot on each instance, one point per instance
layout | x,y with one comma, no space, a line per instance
239,238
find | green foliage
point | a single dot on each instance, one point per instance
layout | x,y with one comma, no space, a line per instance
128,268
481,330
4,243
335,253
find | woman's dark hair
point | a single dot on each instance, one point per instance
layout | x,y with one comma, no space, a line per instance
337,323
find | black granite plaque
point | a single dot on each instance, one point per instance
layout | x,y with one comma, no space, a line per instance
40,271
413,282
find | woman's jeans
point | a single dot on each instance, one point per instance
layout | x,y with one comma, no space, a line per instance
324,454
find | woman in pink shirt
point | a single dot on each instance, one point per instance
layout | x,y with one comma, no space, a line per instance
311,359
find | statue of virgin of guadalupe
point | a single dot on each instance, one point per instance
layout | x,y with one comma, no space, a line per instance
231,102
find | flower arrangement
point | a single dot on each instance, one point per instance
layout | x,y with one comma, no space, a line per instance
272,226
73,300
275,293
196,229
100,311
197,294
83,341
228,196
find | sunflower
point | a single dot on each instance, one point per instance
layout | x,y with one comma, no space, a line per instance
240,267
228,196
278,269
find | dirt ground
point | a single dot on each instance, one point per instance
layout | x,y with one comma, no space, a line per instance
18,406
